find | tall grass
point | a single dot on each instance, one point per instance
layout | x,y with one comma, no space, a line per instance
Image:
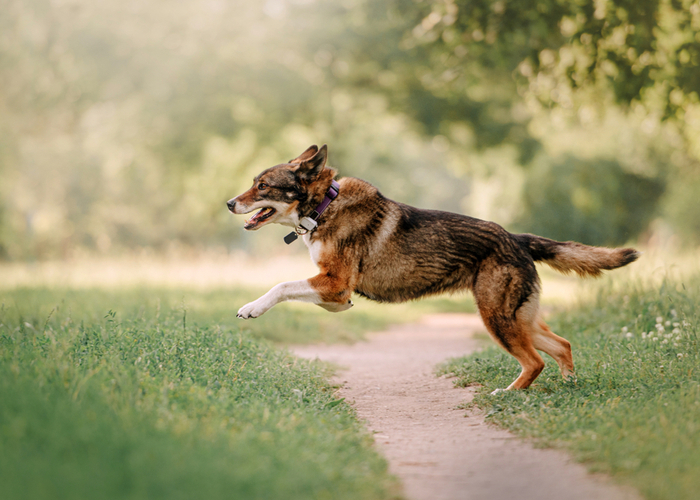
634,410
137,395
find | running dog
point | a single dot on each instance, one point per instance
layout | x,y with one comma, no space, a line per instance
387,251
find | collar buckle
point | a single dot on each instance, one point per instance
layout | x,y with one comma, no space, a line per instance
308,223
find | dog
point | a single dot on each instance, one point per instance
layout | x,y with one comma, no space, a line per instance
387,251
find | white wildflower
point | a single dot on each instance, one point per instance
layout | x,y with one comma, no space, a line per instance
659,319
676,331
680,355
668,323
676,325
674,313
664,341
629,335
624,329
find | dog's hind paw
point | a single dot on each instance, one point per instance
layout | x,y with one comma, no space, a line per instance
497,391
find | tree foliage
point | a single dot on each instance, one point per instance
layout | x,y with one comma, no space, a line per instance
646,50
595,202
127,124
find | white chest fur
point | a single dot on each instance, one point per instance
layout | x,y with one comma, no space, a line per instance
315,248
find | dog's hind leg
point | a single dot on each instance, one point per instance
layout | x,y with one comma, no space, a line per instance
520,346
557,347
507,297
532,365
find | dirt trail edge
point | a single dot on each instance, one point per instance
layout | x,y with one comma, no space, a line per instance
437,451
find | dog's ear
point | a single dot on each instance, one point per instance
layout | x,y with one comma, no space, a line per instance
310,168
310,152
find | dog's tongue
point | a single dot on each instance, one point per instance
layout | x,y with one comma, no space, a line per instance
253,221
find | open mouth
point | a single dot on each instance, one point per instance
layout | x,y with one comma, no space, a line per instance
256,220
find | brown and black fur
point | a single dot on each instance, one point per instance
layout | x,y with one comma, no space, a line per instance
391,252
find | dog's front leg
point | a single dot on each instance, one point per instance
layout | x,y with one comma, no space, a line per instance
335,307
290,290
314,290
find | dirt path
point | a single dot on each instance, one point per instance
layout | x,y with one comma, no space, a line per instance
437,451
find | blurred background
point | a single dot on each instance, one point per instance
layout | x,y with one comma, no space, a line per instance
126,125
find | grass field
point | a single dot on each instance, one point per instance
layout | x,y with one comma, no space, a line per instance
147,393
116,389
635,409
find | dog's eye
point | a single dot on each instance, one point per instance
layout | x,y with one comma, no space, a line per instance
262,185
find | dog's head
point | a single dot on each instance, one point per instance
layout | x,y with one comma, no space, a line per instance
283,193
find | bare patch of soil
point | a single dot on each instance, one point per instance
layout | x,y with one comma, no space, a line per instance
437,450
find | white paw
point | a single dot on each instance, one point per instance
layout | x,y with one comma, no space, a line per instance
253,309
497,391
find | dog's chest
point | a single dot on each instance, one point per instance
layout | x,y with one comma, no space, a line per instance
315,248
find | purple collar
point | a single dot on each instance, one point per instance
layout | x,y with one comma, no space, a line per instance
307,224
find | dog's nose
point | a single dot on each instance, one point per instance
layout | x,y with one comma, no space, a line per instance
231,204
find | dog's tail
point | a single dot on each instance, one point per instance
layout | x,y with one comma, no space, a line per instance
571,256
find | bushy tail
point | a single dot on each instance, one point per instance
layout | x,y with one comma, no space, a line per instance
571,256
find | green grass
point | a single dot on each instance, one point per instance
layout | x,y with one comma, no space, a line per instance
287,323
635,409
164,394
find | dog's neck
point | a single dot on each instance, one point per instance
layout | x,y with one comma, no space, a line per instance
315,192
331,194
310,222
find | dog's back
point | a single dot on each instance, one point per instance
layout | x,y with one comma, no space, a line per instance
402,253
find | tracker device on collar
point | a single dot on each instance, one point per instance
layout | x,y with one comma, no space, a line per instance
309,223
